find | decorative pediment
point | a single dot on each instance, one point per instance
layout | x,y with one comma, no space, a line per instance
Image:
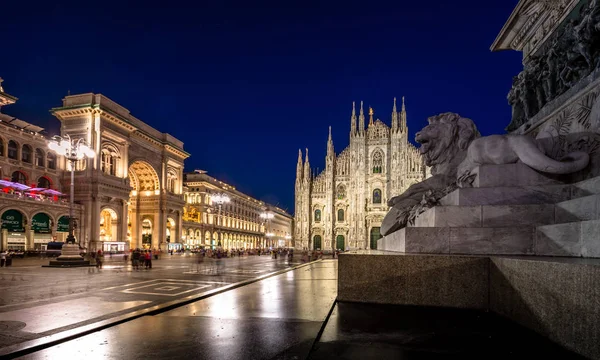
531,23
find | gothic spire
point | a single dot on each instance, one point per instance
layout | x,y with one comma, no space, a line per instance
299,165
361,119
306,168
394,117
353,120
371,112
330,151
403,126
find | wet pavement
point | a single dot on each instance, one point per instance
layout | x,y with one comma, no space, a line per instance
276,318
37,302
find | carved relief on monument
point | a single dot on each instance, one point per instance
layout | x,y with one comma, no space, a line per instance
571,54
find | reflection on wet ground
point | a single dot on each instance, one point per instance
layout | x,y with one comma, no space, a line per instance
278,317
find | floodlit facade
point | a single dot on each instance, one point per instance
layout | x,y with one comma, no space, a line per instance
343,206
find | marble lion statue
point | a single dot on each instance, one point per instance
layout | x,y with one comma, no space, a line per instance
453,147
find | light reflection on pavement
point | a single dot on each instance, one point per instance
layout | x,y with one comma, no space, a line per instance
36,301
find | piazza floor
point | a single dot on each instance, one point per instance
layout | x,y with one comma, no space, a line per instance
37,301
292,314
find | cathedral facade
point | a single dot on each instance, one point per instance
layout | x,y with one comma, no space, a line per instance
343,206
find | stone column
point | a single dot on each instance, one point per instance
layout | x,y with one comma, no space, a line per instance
4,240
28,237
122,225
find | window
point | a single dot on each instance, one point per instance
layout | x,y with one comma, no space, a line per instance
317,215
26,154
1,147
51,158
44,182
109,160
377,162
376,196
340,215
171,180
341,192
19,177
12,150
39,158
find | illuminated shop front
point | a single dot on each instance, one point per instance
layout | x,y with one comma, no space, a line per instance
13,230
42,231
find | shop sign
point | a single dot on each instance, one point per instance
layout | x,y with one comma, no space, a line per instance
63,224
40,223
12,220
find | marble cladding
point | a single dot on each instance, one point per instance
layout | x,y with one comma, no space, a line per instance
549,194
580,238
486,216
508,175
423,280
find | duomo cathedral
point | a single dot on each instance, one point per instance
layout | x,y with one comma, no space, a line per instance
343,206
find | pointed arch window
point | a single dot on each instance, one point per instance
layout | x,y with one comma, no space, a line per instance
341,192
377,162
376,196
340,215
317,215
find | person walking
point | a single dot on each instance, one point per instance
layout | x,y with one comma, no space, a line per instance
99,259
149,257
2,258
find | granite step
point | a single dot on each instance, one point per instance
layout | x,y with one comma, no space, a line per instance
581,238
486,216
516,240
509,175
517,195
582,208
587,187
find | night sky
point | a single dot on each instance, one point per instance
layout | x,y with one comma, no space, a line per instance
246,84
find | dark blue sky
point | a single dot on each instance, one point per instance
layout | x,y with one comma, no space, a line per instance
245,84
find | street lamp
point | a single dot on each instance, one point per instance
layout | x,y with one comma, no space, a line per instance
220,199
73,150
267,216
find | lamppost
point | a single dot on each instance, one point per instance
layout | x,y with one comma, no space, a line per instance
73,150
220,199
267,216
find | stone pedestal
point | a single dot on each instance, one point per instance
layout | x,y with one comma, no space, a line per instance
510,210
69,257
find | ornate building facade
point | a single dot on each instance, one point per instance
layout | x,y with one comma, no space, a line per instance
343,206
30,219
237,224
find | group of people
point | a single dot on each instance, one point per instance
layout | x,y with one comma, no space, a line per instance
141,257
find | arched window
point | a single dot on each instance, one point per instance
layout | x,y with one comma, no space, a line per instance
377,162
51,158
39,158
376,196
340,215
19,177
341,192
317,215
26,153
44,182
13,150
1,147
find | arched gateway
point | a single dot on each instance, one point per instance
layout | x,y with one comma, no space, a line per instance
128,180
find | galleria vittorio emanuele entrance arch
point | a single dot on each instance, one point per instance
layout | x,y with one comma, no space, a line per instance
132,190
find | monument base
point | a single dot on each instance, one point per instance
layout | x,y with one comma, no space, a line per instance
556,297
69,257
